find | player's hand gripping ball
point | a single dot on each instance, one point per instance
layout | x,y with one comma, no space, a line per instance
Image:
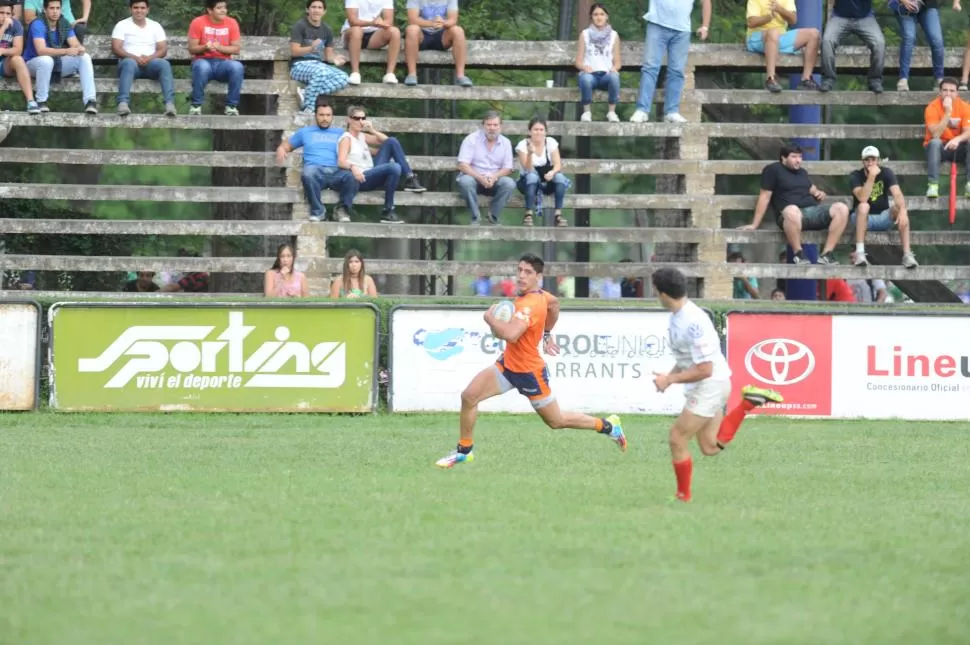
503,311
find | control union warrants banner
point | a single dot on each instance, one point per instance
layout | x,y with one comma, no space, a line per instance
214,357
606,365
872,366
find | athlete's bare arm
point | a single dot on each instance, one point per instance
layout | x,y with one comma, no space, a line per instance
552,310
509,331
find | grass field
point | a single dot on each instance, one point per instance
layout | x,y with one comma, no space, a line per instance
243,529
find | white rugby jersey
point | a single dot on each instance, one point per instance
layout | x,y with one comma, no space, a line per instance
694,340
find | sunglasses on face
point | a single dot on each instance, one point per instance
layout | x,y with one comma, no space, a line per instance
357,118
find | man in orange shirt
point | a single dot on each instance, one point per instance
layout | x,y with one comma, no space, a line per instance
213,39
520,366
947,121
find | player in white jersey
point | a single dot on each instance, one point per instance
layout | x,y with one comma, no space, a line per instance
702,368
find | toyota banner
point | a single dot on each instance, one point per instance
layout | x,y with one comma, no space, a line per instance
868,366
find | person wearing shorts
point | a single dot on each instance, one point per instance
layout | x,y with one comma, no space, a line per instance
370,25
769,34
872,209
796,201
433,26
700,365
521,368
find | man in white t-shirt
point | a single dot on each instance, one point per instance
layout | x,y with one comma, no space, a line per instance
370,25
354,154
699,365
140,45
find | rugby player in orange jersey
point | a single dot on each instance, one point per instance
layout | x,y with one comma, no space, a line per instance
520,367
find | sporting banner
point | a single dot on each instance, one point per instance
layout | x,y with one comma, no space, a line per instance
214,357
19,354
606,365
868,366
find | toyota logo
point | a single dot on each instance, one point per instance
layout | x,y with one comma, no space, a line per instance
780,361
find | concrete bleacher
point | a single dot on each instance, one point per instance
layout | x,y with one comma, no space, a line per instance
706,236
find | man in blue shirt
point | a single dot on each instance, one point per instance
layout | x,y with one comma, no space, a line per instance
320,170
11,55
52,46
852,17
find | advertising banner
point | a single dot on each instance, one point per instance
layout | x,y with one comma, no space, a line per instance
214,357
19,354
606,365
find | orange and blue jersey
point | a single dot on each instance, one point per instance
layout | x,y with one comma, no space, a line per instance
520,365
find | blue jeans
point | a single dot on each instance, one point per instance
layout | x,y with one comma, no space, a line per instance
157,69
500,192
216,69
316,179
386,176
929,20
675,44
529,184
391,150
609,81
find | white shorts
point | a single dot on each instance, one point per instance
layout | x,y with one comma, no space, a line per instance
708,398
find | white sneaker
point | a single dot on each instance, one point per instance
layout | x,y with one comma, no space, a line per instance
902,85
674,117
587,117
639,117
612,118
909,260
354,78
859,259
390,79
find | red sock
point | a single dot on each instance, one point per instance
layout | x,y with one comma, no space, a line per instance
683,470
732,421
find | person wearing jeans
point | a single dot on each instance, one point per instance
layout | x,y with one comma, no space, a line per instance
928,17
52,46
947,122
668,33
484,166
540,172
213,39
598,61
852,17
141,46
353,154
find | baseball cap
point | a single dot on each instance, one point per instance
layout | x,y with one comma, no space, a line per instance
870,151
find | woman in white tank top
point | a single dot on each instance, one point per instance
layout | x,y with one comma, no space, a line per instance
598,62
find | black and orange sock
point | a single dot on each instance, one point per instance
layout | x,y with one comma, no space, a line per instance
603,426
465,446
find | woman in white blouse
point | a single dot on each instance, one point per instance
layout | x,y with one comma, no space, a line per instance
598,61
540,172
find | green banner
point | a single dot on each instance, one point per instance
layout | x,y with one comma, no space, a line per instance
225,357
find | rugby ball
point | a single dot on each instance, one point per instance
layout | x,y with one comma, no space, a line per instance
503,311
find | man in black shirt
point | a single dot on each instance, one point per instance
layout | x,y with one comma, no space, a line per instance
793,197
872,209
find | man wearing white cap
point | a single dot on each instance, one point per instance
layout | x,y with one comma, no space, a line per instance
877,205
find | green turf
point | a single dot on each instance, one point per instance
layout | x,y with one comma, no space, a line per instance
242,529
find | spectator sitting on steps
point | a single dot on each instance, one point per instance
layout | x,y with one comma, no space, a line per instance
541,172
877,205
433,25
353,154
35,8
852,17
11,53
484,166
144,282
354,282
52,45
370,25
947,121
796,203
598,61
283,280
313,60
141,46
744,288
769,34
213,39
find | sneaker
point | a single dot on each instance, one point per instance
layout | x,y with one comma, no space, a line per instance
827,85
799,258
388,216
43,107
586,117
674,117
808,84
760,396
412,185
860,259
231,110
772,85
411,80
617,433
195,110
301,93
33,107
475,222
963,87
91,107
932,190
389,79
123,109
909,260
639,117
170,109
464,81
451,459
902,85
354,78
875,87
827,258
341,213
612,118
316,218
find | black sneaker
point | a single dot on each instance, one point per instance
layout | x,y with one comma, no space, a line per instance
827,85
827,258
388,216
43,106
799,258
808,84
91,107
412,185
875,87
772,85
341,213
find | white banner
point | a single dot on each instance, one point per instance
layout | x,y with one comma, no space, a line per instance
606,365
18,355
907,367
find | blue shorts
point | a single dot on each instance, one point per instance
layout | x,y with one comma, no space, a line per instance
532,385
877,221
786,44
433,40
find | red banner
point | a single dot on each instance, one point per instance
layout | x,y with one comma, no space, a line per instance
788,353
